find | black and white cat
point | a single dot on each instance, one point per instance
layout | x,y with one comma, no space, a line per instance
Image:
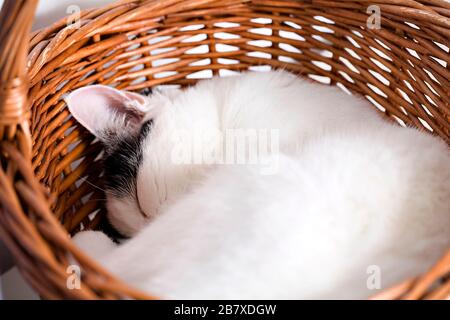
340,192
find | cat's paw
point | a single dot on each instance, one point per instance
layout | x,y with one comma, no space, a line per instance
96,244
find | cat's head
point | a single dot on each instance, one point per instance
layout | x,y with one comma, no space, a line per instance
123,121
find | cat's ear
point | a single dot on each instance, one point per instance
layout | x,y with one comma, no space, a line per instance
104,110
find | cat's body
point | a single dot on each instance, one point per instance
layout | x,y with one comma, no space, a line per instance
350,194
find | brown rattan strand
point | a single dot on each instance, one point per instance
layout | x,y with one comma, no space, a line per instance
49,169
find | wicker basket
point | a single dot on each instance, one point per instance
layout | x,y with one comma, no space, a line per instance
49,162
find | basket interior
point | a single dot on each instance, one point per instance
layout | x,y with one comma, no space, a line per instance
402,69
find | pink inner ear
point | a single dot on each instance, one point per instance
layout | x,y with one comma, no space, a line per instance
98,108
138,98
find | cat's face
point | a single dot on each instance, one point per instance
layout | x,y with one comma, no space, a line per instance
123,121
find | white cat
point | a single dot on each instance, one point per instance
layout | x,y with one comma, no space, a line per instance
350,193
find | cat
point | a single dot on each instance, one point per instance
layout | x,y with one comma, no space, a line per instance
347,192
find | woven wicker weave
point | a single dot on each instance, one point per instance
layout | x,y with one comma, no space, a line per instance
49,163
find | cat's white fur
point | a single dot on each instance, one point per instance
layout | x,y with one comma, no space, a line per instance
351,192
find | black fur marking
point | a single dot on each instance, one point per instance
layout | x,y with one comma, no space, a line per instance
106,227
146,91
122,161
